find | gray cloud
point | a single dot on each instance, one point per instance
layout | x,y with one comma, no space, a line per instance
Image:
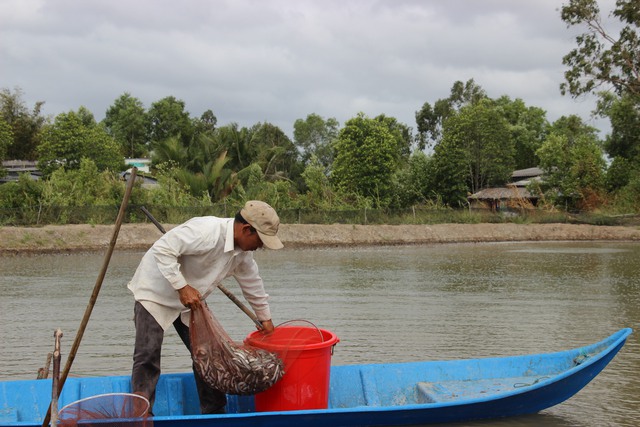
279,60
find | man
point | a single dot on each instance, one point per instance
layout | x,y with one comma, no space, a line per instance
183,267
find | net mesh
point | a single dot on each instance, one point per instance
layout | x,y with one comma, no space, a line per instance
98,410
225,365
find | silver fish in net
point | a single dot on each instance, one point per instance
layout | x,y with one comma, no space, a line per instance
236,369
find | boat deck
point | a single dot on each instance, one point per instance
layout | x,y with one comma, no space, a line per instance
428,392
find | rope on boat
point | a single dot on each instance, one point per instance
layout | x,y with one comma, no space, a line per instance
519,385
581,359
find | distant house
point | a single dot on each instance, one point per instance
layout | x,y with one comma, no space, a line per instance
143,165
514,195
16,167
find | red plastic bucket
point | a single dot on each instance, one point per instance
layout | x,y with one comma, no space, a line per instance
306,353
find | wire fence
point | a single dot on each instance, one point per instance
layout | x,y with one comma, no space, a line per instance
44,215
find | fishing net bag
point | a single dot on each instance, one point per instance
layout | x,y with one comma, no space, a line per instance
104,410
227,366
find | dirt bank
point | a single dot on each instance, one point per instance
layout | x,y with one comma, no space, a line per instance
57,238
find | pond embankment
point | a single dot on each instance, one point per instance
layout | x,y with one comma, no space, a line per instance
86,237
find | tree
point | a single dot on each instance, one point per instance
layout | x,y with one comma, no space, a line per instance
274,152
74,136
237,142
126,122
25,125
605,60
213,179
366,157
168,118
201,167
478,141
6,139
431,119
450,166
319,192
528,129
313,137
414,182
401,133
602,58
573,164
624,114
623,144
206,124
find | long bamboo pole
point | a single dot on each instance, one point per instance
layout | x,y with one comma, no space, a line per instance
96,290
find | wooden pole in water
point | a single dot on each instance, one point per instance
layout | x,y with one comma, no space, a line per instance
56,378
96,289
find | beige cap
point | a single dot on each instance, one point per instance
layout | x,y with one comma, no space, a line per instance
265,220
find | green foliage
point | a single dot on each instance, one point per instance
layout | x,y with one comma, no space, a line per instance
366,158
25,125
476,152
253,186
6,139
627,199
126,121
75,136
601,58
430,120
206,124
171,191
23,193
573,162
414,182
319,193
167,118
274,152
450,173
314,136
201,167
402,135
624,114
619,173
83,186
69,191
237,142
527,127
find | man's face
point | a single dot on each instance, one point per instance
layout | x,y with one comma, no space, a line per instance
249,240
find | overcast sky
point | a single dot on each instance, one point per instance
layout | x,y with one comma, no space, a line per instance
280,60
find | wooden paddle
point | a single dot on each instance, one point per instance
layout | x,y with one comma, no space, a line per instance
224,290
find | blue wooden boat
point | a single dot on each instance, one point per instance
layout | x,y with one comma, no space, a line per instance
372,395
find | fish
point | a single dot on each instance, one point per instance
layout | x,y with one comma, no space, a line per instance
225,365
237,369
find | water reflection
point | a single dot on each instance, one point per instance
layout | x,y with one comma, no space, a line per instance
386,304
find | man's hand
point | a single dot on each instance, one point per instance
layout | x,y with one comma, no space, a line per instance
189,296
267,326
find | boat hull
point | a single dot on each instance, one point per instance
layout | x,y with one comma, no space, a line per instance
414,393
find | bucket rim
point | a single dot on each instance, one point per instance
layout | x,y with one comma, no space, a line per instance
330,341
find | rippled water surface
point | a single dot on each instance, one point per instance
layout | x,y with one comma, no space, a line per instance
386,304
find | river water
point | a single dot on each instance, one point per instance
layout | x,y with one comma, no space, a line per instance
386,304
